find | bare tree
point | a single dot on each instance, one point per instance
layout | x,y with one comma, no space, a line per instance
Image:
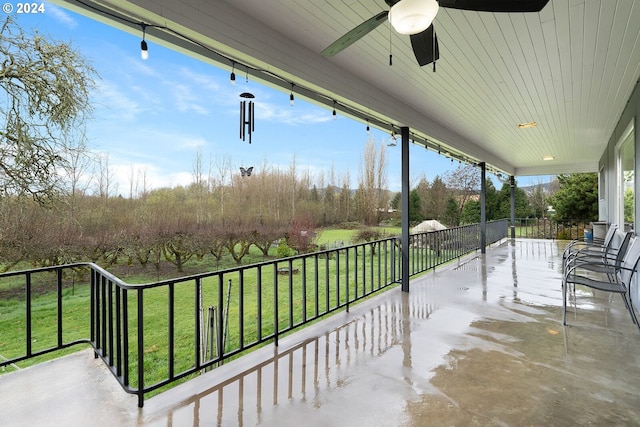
465,181
138,183
382,181
373,183
46,89
105,177
220,178
80,166
199,186
292,181
345,198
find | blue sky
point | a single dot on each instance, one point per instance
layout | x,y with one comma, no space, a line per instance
152,117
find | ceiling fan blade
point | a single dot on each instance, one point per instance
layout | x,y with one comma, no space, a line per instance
496,5
425,46
356,34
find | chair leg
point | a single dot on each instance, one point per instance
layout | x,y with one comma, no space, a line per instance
629,305
633,313
564,302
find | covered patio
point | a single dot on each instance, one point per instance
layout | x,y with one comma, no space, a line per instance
479,342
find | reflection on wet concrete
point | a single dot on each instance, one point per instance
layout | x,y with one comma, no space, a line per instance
308,374
477,343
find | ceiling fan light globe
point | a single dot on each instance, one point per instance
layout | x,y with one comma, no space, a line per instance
413,16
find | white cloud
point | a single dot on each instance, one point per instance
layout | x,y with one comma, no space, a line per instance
135,178
130,178
114,103
291,115
168,151
169,141
186,101
60,15
136,66
203,81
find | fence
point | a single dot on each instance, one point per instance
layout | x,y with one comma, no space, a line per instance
152,335
546,228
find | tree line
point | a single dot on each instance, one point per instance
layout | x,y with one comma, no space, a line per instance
273,210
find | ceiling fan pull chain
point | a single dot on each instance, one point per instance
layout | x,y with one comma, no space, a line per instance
390,55
434,41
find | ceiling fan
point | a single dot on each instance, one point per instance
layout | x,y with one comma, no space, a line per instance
415,17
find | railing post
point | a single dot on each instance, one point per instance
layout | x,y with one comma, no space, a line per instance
140,348
275,304
483,207
125,336
199,324
404,244
220,331
28,314
171,331
512,183
93,309
59,305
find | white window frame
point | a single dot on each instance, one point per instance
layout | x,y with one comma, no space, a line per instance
619,204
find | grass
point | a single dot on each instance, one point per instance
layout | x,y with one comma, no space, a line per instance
332,236
335,236
44,324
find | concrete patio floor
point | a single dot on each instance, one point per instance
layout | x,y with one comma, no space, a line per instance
479,343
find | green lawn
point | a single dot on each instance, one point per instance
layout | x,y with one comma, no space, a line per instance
333,236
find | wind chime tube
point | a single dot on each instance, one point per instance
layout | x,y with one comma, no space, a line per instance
242,107
253,116
249,122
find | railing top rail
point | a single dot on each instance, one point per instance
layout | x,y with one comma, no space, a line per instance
52,268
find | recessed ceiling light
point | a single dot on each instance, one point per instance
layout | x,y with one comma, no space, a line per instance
548,158
527,125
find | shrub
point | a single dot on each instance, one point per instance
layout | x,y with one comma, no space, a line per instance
367,235
284,250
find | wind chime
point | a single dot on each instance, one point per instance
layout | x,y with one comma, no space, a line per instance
247,116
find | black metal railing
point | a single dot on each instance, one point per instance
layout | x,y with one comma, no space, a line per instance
547,228
152,335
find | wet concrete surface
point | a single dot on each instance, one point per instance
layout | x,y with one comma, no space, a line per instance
479,343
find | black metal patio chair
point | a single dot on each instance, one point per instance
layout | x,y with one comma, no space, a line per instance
618,282
605,249
606,262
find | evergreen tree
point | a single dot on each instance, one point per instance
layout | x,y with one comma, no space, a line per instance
414,207
452,213
523,208
577,197
439,194
470,213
